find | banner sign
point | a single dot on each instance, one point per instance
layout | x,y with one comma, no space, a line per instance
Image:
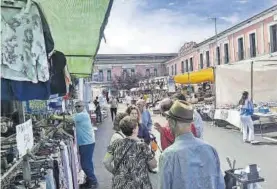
36,106
171,85
24,137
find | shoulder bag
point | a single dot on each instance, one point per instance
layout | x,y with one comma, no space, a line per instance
120,161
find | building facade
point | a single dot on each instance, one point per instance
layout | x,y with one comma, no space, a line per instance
252,39
108,66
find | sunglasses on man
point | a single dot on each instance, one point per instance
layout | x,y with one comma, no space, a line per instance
78,106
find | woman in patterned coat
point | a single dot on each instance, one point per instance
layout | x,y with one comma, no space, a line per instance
128,159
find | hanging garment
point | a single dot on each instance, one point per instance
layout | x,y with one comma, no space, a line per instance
66,166
24,90
49,42
49,179
68,81
23,47
62,178
57,65
73,164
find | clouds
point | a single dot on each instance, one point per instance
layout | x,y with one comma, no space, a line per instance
161,26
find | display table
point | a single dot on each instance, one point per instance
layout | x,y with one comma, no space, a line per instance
232,116
269,118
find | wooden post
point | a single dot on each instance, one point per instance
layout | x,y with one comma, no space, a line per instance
251,81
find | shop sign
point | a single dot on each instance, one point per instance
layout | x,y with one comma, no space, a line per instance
24,137
171,85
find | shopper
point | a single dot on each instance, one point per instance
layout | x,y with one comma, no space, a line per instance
143,133
146,119
188,162
86,142
246,112
118,133
97,110
114,105
129,159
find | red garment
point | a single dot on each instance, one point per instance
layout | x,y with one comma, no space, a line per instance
193,129
167,137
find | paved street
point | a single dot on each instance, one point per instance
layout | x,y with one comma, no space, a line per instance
227,142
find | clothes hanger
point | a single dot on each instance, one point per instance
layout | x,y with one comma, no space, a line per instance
28,6
12,4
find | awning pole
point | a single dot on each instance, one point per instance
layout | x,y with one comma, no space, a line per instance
214,70
251,81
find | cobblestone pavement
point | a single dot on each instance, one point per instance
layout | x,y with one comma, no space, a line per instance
227,142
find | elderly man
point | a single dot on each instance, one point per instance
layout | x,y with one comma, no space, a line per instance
86,142
189,163
146,119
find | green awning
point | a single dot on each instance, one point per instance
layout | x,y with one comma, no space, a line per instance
77,27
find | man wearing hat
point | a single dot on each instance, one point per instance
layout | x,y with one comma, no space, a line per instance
189,162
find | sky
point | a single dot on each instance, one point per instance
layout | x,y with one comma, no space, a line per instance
163,26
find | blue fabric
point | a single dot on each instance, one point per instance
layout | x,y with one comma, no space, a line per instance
146,119
86,155
49,178
24,90
190,163
84,130
144,134
6,90
247,109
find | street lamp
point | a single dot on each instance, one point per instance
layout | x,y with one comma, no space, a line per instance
215,30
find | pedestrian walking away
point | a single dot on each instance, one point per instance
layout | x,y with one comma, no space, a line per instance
97,110
114,106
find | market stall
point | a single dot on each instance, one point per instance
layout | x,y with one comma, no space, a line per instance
259,78
41,52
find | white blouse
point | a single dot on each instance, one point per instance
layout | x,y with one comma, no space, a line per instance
23,47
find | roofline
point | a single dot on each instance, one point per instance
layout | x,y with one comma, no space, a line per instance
143,54
271,9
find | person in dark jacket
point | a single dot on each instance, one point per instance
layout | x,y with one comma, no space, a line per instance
143,132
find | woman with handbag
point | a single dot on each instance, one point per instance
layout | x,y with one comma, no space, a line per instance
129,159
246,111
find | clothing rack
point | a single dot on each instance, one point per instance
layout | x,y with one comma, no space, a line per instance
12,4
24,161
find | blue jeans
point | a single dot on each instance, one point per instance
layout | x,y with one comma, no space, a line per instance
86,154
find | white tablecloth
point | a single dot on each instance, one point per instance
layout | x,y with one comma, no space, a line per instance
232,116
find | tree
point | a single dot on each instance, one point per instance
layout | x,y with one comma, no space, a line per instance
127,81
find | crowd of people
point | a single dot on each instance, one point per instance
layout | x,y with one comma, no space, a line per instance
186,161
